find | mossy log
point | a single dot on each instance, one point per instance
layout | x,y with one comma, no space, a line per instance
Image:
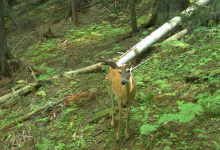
102,113
177,36
22,91
88,69
13,123
31,86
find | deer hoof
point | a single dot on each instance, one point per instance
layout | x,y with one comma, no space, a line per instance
127,136
112,124
118,138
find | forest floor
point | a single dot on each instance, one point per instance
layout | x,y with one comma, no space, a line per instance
176,105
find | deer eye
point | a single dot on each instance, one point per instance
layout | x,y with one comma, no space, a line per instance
119,71
128,70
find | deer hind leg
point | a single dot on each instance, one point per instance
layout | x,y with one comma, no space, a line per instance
119,121
127,120
113,103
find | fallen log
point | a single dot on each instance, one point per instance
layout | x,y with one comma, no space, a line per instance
31,86
88,69
9,98
177,36
100,114
19,92
159,33
13,123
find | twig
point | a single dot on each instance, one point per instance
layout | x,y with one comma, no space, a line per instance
21,41
82,134
109,12
132,68
13,21
32,72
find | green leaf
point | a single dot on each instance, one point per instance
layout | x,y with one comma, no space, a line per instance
168,118
41,93
140,83
137,117
88,127
60,146
43,77
43,119
146,128
149,96
18,86
69,110
188,111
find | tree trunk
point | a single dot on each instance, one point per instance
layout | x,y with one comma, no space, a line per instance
167,9
69,10
11,3
5,69
74,12
76,5
133,17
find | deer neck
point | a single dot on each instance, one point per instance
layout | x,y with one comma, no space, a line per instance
128,86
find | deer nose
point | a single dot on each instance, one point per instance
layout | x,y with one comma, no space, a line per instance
123,82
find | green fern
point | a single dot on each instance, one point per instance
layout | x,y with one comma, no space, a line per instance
210,103
186,114
168,118
146,128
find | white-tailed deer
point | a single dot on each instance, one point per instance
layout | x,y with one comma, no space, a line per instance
122,85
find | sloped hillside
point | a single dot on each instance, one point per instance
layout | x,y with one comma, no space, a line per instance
178,95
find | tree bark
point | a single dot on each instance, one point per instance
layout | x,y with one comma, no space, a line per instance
69,10
133,17
5,69
74,12
11,3
77,5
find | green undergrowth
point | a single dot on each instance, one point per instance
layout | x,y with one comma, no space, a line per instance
96,32
176,106
177,103
184,81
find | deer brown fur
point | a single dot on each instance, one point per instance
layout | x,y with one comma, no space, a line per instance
121,84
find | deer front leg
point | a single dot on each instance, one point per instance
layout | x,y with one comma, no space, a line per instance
126,130
119,121
113,103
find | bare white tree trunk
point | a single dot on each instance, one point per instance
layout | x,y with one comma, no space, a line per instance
157,34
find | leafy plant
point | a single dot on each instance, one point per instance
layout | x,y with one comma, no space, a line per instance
146,98
186,114
45,145
146,128
210,103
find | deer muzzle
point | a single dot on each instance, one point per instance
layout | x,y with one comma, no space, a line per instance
123,82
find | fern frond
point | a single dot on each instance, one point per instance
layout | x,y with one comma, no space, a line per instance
188,112
168,117
146,128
